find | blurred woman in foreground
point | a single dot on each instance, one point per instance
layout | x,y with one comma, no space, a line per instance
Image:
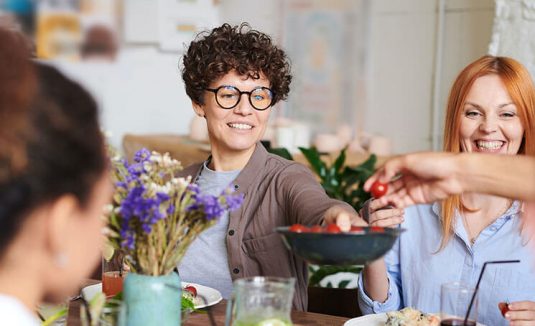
53,184
491,109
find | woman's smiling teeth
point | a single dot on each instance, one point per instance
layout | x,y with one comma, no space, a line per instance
489,145
241,126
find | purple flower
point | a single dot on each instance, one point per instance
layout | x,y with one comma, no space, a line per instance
234,201
142,155
140,212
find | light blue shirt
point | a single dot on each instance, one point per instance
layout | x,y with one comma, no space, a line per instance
416,269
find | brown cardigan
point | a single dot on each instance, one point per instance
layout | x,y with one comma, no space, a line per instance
277,192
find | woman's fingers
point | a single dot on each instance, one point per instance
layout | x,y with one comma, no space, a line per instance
386,213
521,313
388,222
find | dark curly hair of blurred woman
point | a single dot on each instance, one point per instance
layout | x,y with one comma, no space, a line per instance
247,51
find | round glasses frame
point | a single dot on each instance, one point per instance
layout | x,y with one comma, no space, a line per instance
250,95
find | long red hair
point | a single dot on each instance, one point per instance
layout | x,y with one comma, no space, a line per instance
519,85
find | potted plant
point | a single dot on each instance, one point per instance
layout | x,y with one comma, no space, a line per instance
154,217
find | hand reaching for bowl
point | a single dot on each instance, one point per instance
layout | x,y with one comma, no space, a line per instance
378,214
343,217
521,313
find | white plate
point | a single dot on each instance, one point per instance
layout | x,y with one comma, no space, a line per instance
372,320
368,320
211,295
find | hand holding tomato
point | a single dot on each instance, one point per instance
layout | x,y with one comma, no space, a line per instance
519,312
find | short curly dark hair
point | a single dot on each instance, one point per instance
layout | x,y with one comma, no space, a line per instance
214,53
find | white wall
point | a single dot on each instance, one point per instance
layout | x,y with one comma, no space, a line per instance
403,45
143,91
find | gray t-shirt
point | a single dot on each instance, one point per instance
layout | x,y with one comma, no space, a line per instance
205,261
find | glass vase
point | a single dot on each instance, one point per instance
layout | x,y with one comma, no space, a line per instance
152,300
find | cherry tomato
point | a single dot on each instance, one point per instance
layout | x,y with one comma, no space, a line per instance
378,189
504,308
333,228
316,229
377,229
298,228
191,289
356,229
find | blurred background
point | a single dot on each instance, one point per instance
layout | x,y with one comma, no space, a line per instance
369,74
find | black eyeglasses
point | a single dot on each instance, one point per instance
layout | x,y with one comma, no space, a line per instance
227,97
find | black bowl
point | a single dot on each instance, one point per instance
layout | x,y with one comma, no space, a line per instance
344,248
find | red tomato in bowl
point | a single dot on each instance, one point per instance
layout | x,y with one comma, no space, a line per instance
333,228
316,229
378,189
298,228
356,229
377,229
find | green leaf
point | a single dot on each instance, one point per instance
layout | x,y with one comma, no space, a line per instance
369,164
343,284
313,157
187,303
282,152
340,160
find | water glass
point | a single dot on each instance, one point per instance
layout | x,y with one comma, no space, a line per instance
454,302
261,301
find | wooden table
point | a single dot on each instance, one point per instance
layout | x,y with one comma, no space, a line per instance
299,318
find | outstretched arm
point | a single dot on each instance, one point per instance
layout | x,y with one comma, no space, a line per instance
427,177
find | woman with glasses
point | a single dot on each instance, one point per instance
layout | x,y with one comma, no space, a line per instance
234,76
491,111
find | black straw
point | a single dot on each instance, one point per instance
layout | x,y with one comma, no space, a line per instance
479,281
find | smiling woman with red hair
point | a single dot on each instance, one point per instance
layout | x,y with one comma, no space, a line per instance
491,110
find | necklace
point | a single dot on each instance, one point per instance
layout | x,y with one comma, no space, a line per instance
473,237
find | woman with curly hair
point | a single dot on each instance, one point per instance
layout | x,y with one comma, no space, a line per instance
234,76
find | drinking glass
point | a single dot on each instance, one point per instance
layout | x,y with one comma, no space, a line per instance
112,272
112,314
454,302
261,301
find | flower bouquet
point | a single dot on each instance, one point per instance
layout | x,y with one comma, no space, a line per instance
154,217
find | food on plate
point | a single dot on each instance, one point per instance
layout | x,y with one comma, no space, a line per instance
411,317
378,189
190,298
191,289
